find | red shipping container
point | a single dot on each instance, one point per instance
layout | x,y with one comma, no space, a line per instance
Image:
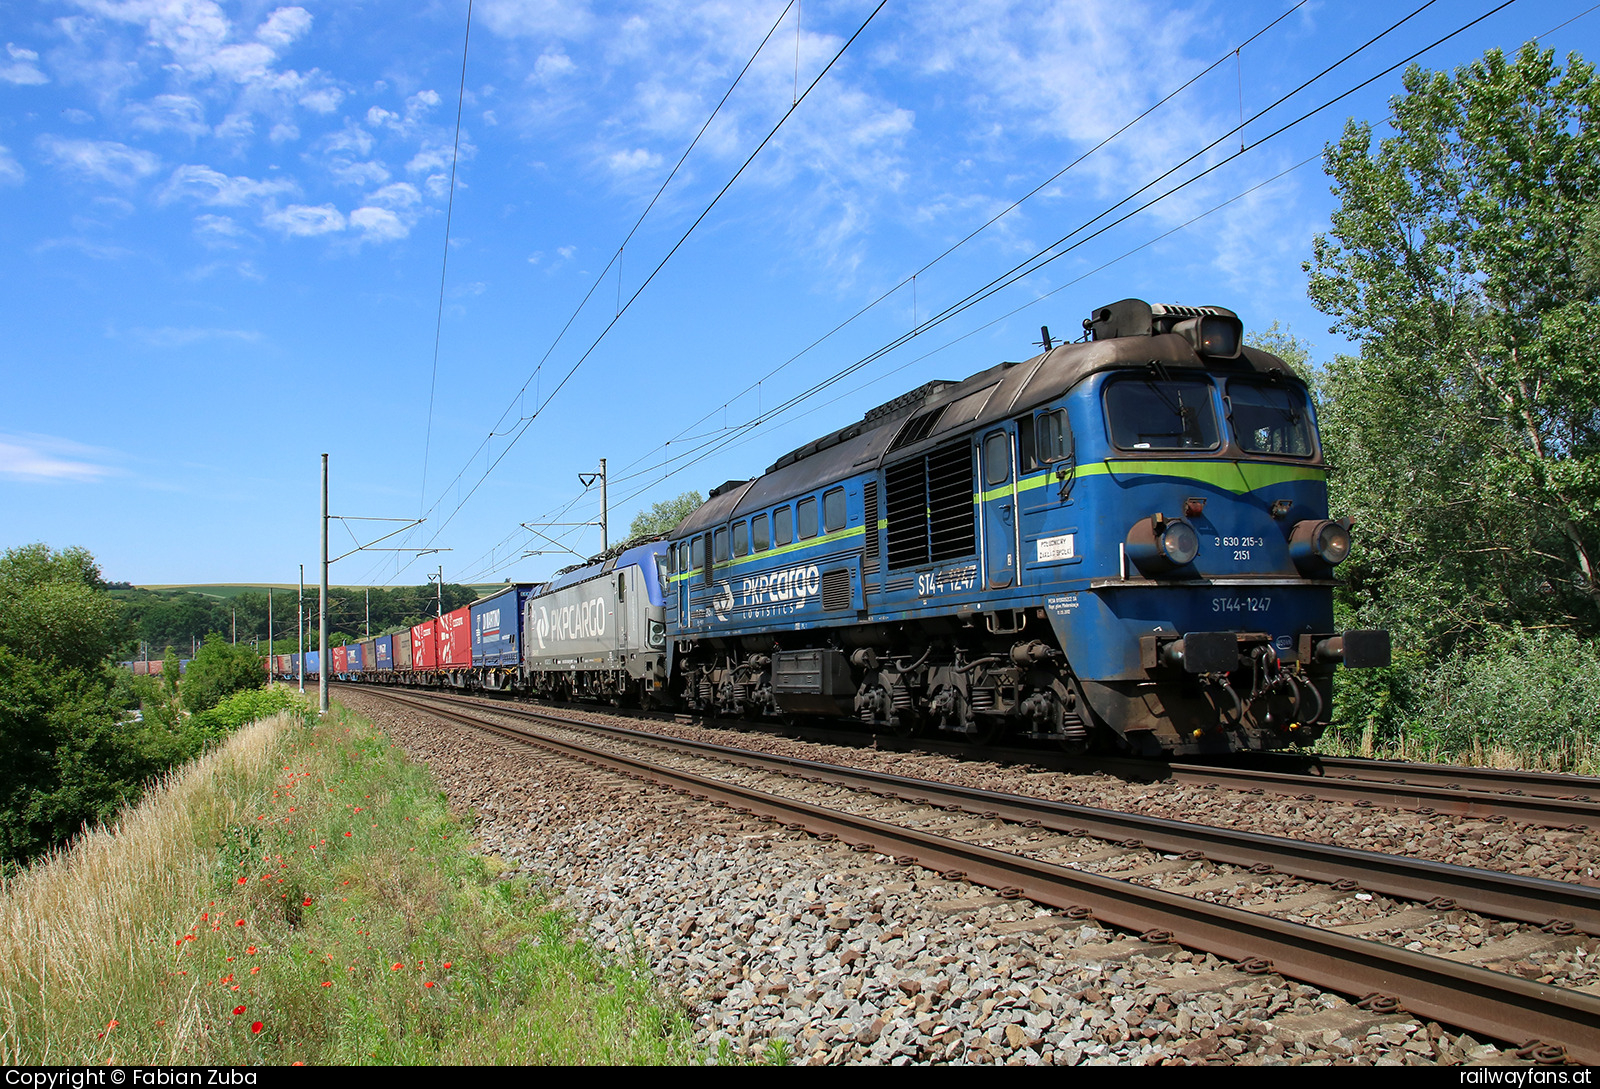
424,647
455,639
341,659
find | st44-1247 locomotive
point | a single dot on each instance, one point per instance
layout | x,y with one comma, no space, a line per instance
1123,540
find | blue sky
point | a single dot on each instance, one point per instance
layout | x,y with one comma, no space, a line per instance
222,228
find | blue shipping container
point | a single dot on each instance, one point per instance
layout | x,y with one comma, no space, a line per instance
311,662
497,627
385,651
354,661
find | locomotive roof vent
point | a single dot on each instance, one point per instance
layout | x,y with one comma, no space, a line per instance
1214,331
726,486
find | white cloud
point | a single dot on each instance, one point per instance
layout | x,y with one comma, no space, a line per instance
400,195
77,116
207,186
631,162
300,220
284,132
47,459
169,336
322,100
11,172
218,232
283,27
360,174
352,140
551,67
236,126
169,113
378,224
537,18
23,69
99,160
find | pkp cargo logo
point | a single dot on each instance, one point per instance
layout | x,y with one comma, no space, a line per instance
583,620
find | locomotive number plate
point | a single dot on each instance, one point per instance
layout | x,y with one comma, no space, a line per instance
1240,604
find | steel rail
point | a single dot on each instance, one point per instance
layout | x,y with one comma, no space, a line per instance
1426,800
1548,784
1490,1003
1506,896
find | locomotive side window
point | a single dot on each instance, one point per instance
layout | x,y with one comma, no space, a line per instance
684,566
997,458
783,525
741,538
1161,414
1270,419
697,554
806,512
758,533
1053,438
719,546
833,510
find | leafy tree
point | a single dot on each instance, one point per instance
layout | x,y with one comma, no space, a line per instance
218,671
1466,433
53,607
664,516
171,671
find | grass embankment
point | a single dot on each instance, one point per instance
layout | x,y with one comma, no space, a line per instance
304,895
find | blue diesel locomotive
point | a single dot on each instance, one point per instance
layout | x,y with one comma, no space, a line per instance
1123,541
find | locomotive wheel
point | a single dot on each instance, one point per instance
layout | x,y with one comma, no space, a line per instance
988,730
907,724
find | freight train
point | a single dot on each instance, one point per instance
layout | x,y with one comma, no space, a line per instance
1122,542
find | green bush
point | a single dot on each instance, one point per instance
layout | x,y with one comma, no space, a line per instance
1526,691
218,671
247,706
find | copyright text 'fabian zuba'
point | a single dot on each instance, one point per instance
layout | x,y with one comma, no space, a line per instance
81,1078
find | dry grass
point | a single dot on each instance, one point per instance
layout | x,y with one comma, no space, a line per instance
305,895
1577,754
79,930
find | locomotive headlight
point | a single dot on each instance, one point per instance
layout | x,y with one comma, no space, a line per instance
1180,543
1213,336
1159,544
1318,545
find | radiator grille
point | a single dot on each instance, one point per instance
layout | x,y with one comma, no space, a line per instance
869,500
950,511
907,502
930,510
836,589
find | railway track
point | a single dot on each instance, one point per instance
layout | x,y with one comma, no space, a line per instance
920,821
1546,799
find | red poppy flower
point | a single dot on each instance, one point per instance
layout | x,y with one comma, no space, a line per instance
446,964
242,880
239,923
347,835
255,1027
428,984
250,950
237,1010
306,902
395,967
327,983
